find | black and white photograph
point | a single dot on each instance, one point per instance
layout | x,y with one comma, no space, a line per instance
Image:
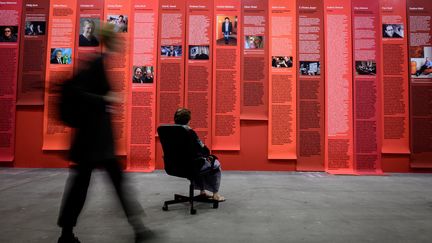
393,31
308,68
199,52
365,68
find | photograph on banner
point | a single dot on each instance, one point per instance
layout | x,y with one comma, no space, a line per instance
9,33
35,28
142,75
171,51
199,52
365,68
309,68
61,56
421,61
88,36
119,21
282,61
254,42
227,36
392,31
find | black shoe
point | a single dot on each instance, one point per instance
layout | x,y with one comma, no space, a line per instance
68,239
144,236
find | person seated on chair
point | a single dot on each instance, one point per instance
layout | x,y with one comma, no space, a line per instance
211,170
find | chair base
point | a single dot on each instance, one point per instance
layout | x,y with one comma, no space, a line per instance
191,199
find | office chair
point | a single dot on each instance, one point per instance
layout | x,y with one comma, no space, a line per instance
179,160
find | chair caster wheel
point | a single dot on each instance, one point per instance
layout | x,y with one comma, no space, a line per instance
215,205
193,211
165,208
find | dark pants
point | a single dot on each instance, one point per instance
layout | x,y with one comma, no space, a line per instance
226,37
76,193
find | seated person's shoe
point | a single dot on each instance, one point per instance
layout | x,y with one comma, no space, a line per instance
68,239
218,197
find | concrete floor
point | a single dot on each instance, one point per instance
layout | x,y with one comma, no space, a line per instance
260,207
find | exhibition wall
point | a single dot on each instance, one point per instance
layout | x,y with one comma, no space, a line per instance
307,85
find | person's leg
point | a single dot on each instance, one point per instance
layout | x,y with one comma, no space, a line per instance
73,200
212,180
131,206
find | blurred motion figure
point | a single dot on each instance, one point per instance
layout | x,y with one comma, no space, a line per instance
90,100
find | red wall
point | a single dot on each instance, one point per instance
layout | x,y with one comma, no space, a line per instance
252,156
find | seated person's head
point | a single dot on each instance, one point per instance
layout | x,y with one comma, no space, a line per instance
182,116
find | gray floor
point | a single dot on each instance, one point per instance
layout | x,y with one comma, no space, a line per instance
260,207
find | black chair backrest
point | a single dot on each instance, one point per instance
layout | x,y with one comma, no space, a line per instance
178,150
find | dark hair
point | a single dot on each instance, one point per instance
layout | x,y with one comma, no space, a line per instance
182,116
226,18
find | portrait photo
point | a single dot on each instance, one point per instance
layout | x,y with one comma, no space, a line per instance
365,68
119,21
393,31
88,34
226,34
142,75
171,51
61,56
254,42
282,61
9,33
308,68
35,28
199,52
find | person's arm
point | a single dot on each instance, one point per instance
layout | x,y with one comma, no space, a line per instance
201,148
92,99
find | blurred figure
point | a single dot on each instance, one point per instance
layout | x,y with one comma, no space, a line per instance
87,37
93,145
210,177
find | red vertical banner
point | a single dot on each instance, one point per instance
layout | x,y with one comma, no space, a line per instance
282,123
171,46
142,96
226,76
198,74
339,141
118,12
367,86
254,60
310,85
32,64
10,26
60,61
89,19
420,54
394,73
